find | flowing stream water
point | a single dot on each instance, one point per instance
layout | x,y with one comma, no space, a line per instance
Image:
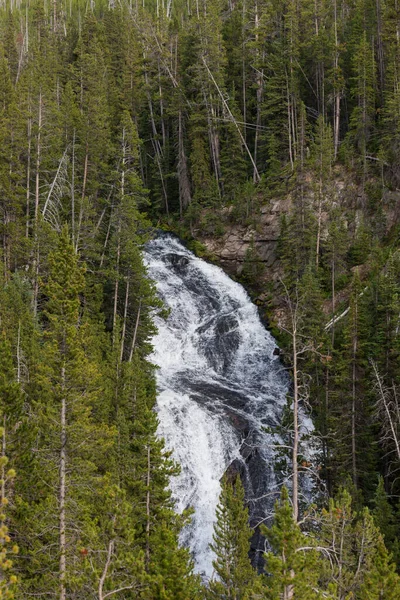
221,389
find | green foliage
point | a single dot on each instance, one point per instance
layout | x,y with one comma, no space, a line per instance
293,564
235,576
118,115
252,266
362,568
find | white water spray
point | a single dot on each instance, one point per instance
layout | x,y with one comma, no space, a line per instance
219,384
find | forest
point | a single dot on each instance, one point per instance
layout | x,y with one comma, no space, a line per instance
120,118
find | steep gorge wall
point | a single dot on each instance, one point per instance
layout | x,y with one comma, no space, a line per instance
232,248
240,243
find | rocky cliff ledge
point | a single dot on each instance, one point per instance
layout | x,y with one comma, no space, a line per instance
240,243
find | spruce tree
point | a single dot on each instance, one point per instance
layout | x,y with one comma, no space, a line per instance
293,564
385,519
362,566
70,448
235,578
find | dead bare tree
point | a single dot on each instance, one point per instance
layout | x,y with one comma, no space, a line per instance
387,411
228,110
299,346
57,189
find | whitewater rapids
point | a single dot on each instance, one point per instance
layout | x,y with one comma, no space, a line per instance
221,389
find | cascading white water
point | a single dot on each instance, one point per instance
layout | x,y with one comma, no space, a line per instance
220,387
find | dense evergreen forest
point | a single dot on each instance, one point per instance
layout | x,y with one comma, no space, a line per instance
187,115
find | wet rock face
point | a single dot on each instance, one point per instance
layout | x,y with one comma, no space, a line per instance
221,341
177,261
230,249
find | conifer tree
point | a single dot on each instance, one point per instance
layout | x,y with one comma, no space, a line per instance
144,468
235,577
354,401
10,413
323,157
381,579
360,563
385,519
361,122
70,447
293,564
8,549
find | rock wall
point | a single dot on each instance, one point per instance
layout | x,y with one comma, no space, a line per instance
231,248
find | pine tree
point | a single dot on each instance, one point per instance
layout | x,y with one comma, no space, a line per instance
293,564
118,566
144,468
8,549
70,447
361,567
385,347
381,579
385,520
323,159
362,118
11,401
355,412
235,577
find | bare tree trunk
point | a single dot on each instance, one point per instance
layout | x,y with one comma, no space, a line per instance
244,87
54,15
325,438
110,551
125,319
320,73
336,108
122,191
38,159
259,95
73,191
6,246
78,229
85,171
380,48
293,306
333,300
36,214
163,132
364,122
115,310
354,394
106,241
233,121
28,175
185,197
213,141
392,421
35,294
24,48
293,109
19,353
155,142
135,332
62,492
319,222
148,478
295,453
289,113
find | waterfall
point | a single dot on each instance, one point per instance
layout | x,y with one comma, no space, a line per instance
221,389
